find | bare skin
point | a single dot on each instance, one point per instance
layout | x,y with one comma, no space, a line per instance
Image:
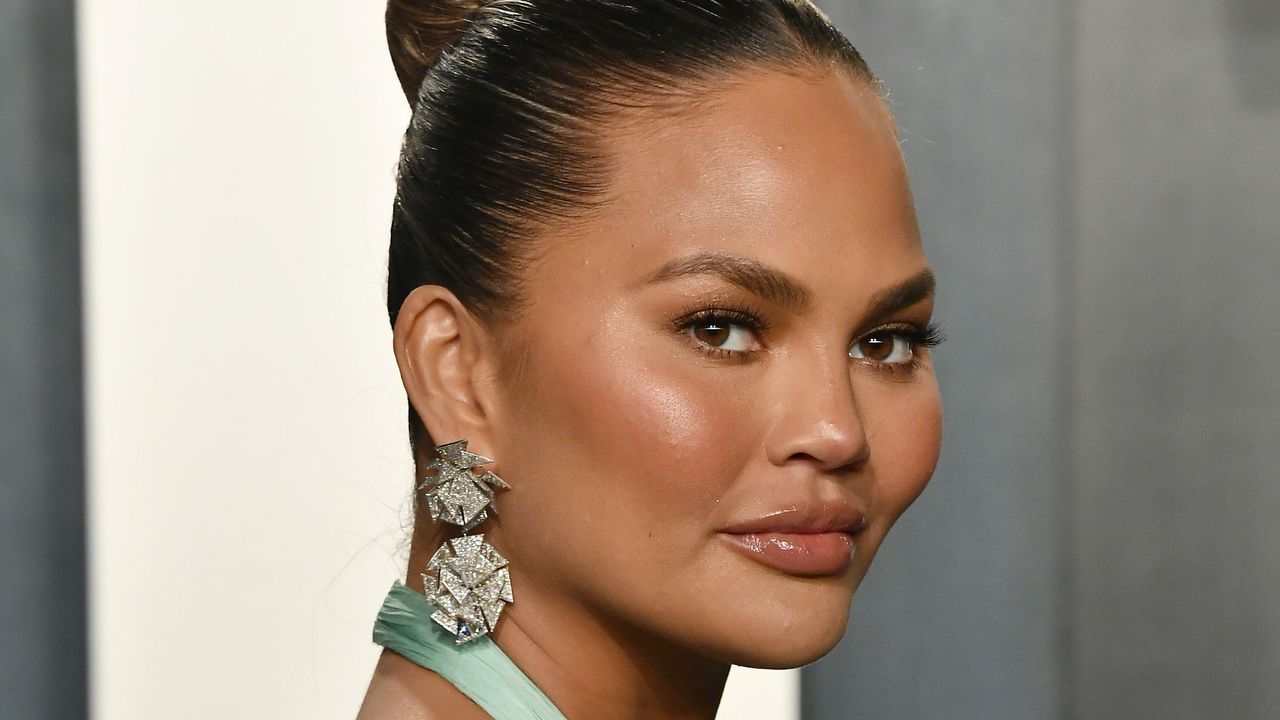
656,395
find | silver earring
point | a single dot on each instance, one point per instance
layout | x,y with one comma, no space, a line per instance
466,579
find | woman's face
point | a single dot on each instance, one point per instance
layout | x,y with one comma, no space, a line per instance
718,379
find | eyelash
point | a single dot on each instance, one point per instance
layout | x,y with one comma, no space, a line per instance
918,336
736,315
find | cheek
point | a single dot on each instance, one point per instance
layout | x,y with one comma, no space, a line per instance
648,440
905,433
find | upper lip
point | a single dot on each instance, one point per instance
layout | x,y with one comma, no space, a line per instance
821,517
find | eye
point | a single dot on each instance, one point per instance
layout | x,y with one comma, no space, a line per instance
722,334
891,347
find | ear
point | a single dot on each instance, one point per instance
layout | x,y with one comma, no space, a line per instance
445,364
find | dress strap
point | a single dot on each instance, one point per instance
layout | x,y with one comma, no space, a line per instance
478,668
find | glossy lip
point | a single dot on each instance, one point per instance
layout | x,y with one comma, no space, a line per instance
805,518
809,539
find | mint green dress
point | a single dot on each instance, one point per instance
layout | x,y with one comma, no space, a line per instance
479,668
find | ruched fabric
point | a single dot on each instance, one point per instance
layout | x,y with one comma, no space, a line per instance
479,668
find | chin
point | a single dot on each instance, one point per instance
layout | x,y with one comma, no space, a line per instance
773,651
786,629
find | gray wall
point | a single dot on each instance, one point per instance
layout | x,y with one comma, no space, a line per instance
1176,600
960,614
42,560
1098,183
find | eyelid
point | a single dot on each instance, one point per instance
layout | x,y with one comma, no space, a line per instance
737,314
928,334
921,337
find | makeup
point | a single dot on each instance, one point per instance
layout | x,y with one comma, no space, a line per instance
805,540
804,554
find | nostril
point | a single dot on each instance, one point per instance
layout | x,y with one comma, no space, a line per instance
834,456
861,525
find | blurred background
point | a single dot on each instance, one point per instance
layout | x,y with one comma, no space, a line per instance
204,479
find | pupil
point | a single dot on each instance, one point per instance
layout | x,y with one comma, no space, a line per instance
878,347
713,333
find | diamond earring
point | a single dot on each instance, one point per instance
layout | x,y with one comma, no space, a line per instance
466,579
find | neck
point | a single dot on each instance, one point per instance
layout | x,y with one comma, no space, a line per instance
594,667
591,665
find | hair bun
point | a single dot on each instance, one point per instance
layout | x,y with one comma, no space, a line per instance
417,30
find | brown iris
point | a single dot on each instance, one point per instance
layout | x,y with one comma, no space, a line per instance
877,346
712,333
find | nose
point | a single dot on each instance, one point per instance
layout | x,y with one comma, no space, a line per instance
818,419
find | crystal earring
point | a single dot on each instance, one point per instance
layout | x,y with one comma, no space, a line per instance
466,579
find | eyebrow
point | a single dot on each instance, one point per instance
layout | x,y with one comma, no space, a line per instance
777,287
750,275
914,289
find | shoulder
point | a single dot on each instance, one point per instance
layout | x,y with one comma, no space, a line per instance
403,690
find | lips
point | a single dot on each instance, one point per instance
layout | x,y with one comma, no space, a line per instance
803,540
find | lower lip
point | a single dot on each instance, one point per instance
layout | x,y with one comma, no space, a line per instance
824,553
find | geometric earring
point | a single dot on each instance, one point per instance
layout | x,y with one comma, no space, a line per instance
466,579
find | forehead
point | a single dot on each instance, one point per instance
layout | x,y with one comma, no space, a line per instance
803,173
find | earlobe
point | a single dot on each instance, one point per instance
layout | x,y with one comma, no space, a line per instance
438,345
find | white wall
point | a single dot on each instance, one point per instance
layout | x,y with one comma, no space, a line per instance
248,468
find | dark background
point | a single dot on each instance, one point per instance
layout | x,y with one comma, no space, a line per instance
43,651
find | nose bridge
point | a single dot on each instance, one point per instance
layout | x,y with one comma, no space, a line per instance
818,416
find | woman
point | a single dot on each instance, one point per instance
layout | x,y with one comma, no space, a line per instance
656,262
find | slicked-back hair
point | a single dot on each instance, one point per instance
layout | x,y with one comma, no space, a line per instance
512,97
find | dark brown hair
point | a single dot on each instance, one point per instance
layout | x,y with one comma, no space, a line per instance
511,97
